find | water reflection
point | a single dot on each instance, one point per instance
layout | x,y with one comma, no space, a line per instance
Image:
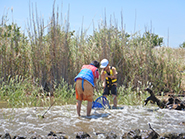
25,121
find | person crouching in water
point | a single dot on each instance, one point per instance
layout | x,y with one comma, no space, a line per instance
85,83
109,78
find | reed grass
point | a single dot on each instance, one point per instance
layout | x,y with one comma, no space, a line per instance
46,60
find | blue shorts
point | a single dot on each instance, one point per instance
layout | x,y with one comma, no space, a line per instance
113,90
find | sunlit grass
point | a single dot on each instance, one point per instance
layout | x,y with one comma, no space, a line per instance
25,94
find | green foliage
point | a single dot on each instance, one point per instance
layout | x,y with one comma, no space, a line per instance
13,50
19,92
127,96
151,39
182,45
65,93
155,39
23,92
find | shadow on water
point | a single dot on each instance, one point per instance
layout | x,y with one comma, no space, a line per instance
96,116
152,110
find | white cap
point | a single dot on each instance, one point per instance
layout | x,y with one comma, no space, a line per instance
104,63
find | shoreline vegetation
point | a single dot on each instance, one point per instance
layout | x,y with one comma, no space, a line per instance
45,61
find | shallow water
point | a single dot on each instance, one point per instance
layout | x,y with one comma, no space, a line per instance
25,121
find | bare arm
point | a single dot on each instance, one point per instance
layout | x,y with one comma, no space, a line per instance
96,78
103,76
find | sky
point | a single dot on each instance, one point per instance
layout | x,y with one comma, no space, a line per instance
165,18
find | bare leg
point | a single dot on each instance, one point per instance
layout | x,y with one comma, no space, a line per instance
89,107
78,107
114,100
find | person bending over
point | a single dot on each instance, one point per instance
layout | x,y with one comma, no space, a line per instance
85,84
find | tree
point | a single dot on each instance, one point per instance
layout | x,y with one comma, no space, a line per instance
151,38
182,45
155,40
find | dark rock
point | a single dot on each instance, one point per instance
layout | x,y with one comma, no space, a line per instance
51,133
153,98
19,137
6,136
82,135
170,135
173,136
133,134
36,137
111,135
152,135
58,135
171,103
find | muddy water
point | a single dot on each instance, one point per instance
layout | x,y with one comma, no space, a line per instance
25,121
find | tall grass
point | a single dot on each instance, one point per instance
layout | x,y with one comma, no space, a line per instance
51,56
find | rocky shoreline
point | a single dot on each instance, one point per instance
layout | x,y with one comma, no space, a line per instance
133,134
